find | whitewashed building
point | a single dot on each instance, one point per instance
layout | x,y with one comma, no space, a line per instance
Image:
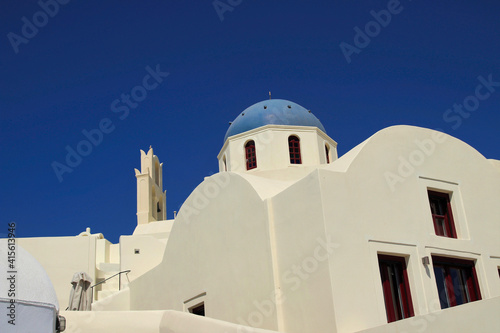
400,234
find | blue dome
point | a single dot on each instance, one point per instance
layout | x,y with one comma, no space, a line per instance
272,111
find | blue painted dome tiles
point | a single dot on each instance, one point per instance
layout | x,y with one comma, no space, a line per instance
275,112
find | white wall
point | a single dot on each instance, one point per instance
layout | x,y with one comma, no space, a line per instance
303,268
150,254
219,245
61,257
149,322
472,317
271,145
367,216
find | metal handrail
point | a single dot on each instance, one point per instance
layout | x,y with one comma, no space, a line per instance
112,276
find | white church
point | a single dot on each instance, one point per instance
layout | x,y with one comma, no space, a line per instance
400,234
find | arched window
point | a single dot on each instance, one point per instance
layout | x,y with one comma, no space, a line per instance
327,153
250,155
294,149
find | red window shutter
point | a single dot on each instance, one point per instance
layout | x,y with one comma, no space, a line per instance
294,150
250,154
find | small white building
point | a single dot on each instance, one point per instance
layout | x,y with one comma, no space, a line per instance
401,234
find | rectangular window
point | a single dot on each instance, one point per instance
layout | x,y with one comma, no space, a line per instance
441,214
396,288
456,281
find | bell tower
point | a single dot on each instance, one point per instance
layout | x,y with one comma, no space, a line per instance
151,199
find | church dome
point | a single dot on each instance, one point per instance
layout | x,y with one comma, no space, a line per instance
275,112
32,282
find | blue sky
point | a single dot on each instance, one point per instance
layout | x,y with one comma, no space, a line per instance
63,77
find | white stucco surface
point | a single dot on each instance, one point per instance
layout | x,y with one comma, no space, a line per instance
150,322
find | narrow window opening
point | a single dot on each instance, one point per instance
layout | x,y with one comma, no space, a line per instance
294,149
157,173
198,309
395,286
327,153
225,164
154,211
442,216
250,154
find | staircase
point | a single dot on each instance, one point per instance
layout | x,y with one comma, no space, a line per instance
108,280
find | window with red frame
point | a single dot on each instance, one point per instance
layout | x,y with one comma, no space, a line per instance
397,296
456,281
294,148
441,214
250,155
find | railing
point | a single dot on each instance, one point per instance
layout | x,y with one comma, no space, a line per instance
112,276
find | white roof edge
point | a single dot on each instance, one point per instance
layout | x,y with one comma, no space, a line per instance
343,163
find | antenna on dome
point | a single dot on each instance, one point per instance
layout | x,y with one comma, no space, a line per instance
269,95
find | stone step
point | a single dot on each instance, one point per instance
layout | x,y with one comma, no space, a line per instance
109,287
105,293
109,267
